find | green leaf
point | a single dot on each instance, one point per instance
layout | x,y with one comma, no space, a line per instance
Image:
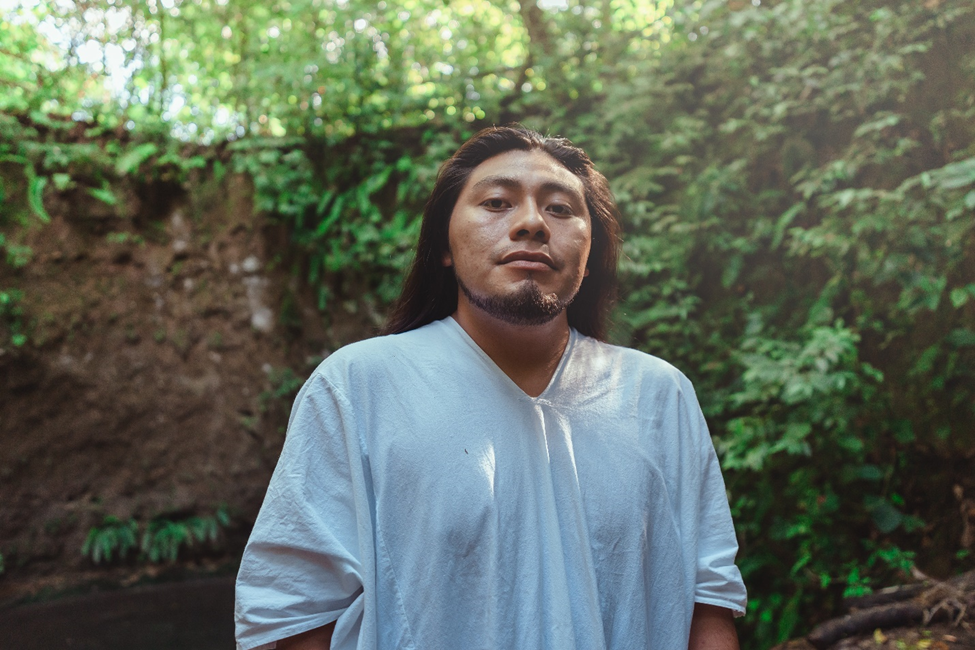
790,616
956,175
961,295
904,432
323,201
222,516
332,217
879,124
925,361
784,221
731,270
961,338
103,194
193,162
885,516
130,161
869,473
35,197
61,181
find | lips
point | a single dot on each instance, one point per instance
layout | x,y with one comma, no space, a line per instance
528,259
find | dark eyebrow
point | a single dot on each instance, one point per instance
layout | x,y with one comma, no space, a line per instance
510,182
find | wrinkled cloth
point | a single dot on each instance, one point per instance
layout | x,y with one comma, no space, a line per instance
423,501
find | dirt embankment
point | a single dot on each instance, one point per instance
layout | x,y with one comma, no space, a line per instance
152,381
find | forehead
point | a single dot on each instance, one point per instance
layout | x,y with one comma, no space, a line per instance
530,168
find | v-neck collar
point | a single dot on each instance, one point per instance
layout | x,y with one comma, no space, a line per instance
546,396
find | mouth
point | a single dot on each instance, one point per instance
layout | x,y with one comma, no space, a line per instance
528,260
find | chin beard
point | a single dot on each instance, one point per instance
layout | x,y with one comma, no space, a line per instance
525,306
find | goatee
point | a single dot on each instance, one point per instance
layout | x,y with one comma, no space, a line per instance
525,306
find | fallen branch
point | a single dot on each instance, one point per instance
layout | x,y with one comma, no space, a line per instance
928,601
867,620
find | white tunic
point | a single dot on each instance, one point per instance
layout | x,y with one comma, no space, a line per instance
422,500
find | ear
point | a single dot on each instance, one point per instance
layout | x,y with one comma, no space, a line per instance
586,274
448,259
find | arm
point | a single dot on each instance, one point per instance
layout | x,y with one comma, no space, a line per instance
301,565
712,628
317,639
718,580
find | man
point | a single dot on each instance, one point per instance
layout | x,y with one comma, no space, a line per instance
491,474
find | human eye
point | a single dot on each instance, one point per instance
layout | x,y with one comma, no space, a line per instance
561,209
494,203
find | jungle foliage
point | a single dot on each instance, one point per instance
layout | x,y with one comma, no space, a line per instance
163,538
796,179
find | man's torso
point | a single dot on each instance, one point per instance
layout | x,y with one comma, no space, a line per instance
570,520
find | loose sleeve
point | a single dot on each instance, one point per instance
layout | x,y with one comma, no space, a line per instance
718,580
302,567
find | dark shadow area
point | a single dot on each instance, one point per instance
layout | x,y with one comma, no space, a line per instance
193,615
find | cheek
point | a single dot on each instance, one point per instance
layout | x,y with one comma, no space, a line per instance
455,243
473,238
584,245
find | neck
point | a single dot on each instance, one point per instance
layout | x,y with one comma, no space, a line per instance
528,354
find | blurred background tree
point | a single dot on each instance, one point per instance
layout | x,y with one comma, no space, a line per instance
796,179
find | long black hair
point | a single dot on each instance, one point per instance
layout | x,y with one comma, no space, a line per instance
430,290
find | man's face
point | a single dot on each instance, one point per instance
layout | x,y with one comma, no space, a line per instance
519,237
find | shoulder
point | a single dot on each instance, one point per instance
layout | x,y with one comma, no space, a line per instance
634,365
382,355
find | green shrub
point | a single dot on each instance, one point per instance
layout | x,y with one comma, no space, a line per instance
164,538
113,539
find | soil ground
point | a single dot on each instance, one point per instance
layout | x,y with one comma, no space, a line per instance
166,340
937,637
940,636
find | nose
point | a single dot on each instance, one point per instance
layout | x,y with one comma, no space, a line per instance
529,223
